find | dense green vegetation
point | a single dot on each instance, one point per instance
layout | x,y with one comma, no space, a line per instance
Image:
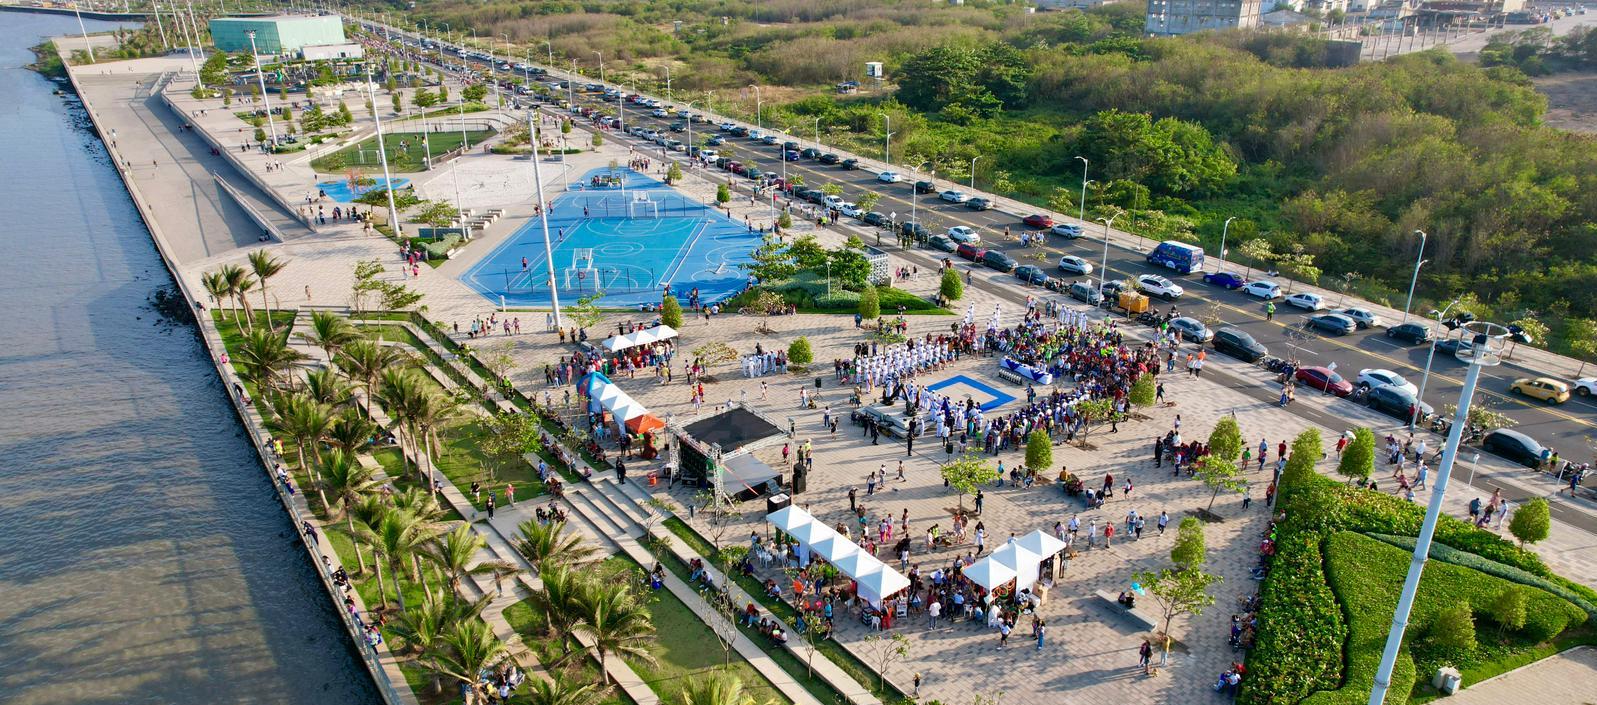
1536,51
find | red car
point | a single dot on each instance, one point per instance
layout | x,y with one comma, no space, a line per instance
1325,380
970,252
1038,221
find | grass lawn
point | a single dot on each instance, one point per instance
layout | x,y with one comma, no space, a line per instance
406,153
1366,575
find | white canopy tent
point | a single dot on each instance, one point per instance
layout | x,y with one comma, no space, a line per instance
1041,543
788,518
1020,560
834,548
989,573
874,579
880,582
641,337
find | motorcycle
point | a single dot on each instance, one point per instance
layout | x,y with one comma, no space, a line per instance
1148,318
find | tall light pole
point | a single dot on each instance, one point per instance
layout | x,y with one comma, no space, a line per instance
887,139
382,154
1103,267
973,171
551,47
87,47
155,7
1416,279
668,84
818,134
689,108
543,220
758,124
600,54
1484,336
1082,211
1414,415
1223,232
265,96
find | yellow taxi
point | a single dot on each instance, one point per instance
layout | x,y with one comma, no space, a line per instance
1551,391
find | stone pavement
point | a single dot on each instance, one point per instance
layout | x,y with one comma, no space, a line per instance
1565,679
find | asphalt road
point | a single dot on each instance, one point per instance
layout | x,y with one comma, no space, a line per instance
1567,428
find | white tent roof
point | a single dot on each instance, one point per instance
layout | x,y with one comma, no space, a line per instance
1020,560
789,518
1041,543
856,564
989,573
834,547
642,337
811,533
880,582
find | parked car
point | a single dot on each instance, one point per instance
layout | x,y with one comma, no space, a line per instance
1514,446
1074,265
1031,274
1264,289
1454,347
1398,402
924,187
850,164
831,201
715,141
953,196
850,209
754,173
1111,289
1546,389
1306,301
1224,280
1191,329
769,140
1155,285
828,158
963,233
1376,377
1325,379
1085,293
790,155
1333,323
790,146
889,177
971,252
1037,220
1238,344
1586,386
979,204
1413,333
942,243
999,261
914,230
1066,230
1364,317
874,218
659,113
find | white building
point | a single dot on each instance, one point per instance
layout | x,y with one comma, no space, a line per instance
1168,17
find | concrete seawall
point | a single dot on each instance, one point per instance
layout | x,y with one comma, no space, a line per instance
251,421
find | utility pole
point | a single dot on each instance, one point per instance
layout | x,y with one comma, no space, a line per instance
543,219
256,57
382,154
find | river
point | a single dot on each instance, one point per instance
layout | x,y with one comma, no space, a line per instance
144,557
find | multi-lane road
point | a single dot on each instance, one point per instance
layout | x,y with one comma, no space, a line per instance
1566,428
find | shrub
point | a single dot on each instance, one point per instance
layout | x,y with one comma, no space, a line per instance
1039,451
1530,522
1298,648
799,352
1358,458
952,288
1306,452
870,305
671,312
1508,610
1226,438
1519,576
1142,391
1453,628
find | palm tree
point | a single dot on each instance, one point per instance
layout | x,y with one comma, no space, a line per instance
394,540
266,266
351,431
558,602
471,649
348,482
264,354
615,623
557,691
547,546
401,395
304,420
216,286
424,627
326,386
419,502
431,412
239,283
330,332
365,360
717,689
455,551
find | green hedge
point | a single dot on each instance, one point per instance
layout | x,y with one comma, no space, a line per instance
1367,576
439,249
1448,554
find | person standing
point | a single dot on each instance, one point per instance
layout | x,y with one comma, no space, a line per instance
853,499
932,612
490,505
1003,634
1042,633
1145,656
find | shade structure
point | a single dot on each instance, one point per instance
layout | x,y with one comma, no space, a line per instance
856,564
809,534
789,518
645,423
989,573
641,337
879,582
834,547
1020,560
1041,543
605,395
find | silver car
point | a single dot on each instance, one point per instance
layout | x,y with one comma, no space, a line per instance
1191,329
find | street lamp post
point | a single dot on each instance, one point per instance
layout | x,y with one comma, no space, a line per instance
758,123
973,171
1103,267
551,47
691,155
382,155
887,139
601,64
1484,335
89,48
1224,230
668,84
543,220
265,96
1425,376
1416,279
1082,211
818,134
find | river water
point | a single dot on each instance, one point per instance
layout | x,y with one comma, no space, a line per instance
144,557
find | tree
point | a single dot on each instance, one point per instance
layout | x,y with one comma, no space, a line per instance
474,92
1178,592
715,689
1358,458
365,360
423,628
1530,522
597,141
1298,264
472,650
882,651
1581,334
238,283
455,554
1453,628
424,98
398,101
673,173
437,214
1218,474
330,332
265,355
366,282
511,435
671,311
557,601
351,431
968,473
870,305
586,313
1508,609
868,200
556,690
784,221
714,353
348,482
1190,551
1143,392
1226,438
615,624
723,194
1533,328
1039,451
1306,451
395,538
953,287
548,546
1258,252
1091,411
832,189
799,352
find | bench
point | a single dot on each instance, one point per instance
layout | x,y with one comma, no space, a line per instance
1135,614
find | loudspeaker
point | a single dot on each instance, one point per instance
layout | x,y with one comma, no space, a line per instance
799,483
777,501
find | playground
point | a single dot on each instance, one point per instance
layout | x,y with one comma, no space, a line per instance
624,234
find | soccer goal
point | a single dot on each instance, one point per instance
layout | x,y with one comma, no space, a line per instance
641,206
581,269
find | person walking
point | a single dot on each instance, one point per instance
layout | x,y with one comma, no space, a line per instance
1145,656
1164,521
1108,534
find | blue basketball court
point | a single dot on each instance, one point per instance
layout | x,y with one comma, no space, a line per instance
628,242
